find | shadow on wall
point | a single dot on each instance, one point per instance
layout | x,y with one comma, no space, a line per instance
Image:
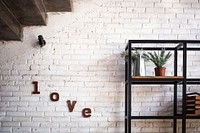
11,50
110,72
119,95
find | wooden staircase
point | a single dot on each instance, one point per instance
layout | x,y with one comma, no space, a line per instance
15,14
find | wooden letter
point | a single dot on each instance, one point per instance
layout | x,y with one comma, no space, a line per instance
54,96
86,112
35,87
71,106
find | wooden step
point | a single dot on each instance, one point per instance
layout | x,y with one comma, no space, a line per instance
14,14
9,25
58,5
28,12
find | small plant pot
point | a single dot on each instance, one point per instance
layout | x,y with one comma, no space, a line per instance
160,71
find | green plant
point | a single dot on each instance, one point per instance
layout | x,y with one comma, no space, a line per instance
159,59
134,55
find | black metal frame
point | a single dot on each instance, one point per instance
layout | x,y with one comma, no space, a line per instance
181,46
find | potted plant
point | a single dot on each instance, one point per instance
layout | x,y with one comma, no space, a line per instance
138,64
159,60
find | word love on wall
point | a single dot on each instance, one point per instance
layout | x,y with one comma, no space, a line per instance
54,96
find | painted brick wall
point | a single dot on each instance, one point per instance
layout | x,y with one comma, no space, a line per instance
81,61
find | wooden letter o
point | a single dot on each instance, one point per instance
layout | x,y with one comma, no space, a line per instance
54,96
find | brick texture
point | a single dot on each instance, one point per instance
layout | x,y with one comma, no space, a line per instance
81,61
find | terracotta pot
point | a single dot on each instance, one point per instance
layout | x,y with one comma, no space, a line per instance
160,71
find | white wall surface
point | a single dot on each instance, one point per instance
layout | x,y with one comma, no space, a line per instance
81,61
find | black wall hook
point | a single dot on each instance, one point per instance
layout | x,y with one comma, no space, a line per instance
42,42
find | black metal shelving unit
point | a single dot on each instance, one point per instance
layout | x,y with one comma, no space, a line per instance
179,46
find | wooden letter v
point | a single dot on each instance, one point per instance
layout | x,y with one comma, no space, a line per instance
71,106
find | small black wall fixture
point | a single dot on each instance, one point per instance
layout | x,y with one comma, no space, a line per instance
42,42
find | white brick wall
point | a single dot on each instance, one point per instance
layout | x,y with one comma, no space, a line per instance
81,61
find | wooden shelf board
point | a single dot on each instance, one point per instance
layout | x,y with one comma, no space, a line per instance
158,77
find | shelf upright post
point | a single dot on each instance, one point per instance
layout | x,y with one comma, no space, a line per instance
128,91
126,86
184,87
175,89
